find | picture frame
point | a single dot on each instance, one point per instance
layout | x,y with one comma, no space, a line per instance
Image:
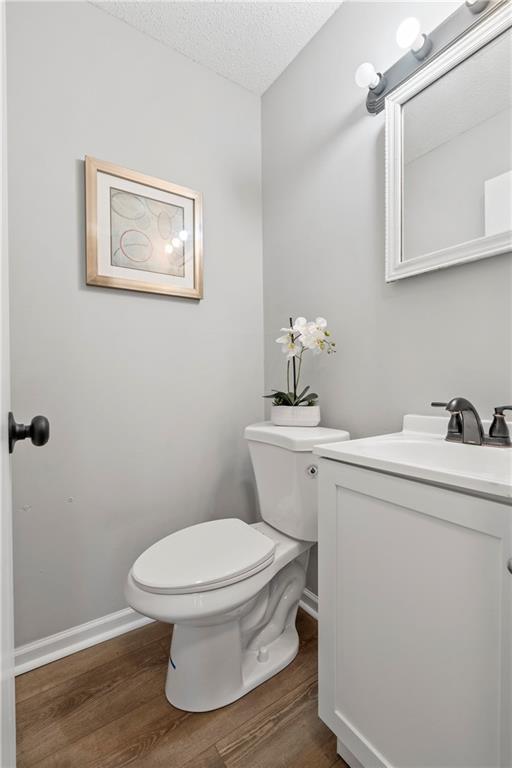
142,233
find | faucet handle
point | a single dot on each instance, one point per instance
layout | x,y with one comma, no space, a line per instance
499,427
454,431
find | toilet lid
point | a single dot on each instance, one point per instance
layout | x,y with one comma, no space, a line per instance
204,556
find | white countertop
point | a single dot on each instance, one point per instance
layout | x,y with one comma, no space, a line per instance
421,452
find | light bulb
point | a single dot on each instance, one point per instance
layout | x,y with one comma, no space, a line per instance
477,6
168,248
408,35
183,235
366,76
176,242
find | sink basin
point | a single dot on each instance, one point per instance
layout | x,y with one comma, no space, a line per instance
425,455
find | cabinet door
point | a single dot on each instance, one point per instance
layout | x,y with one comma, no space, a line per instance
415,621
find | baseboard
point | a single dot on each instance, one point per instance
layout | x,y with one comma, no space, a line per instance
48,649
309,603
40,652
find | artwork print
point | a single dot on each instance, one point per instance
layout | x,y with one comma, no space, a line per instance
146,234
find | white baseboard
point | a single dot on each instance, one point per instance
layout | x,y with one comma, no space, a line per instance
48,649
40,652
309,603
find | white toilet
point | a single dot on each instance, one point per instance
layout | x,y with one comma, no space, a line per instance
232,589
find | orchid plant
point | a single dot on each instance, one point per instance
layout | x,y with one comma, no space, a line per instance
300,337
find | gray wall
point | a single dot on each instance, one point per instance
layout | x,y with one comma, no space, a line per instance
400,345
147,395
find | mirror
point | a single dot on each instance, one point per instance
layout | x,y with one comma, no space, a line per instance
449,157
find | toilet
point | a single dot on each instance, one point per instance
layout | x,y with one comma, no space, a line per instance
231,589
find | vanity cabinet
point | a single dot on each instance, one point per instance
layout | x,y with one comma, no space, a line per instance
415,598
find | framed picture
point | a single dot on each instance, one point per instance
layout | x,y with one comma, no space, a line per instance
143,234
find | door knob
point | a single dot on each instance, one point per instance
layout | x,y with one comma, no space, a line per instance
38,430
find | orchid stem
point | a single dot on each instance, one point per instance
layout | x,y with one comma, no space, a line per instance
300,366
293,364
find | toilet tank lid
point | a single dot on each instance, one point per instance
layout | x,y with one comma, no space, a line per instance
294,438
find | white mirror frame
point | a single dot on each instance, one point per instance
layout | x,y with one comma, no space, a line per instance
480,248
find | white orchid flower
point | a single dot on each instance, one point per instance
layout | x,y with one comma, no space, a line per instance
299,324
292,349
305,335
291,346
314,336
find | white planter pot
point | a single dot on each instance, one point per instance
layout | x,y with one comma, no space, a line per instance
295,416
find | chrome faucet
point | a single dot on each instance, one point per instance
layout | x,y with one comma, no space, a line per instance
465,425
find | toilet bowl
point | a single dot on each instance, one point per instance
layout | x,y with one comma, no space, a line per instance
232,589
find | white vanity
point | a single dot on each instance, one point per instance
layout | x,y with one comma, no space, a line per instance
415,595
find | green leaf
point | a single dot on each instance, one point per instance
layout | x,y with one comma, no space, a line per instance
310,399
280,398
276,393
299,397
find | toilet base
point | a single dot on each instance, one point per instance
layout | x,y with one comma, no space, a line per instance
214,664
193,693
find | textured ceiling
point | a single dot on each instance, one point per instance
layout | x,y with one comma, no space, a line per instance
250,43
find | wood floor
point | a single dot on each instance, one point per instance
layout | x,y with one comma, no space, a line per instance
105,707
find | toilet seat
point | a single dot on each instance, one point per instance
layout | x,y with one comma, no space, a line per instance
203,557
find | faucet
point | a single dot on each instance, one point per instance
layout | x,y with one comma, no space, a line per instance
465,425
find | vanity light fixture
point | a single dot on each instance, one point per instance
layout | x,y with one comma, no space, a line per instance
417,46
368,77
409,35
477,6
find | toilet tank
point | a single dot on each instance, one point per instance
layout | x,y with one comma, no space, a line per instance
286,473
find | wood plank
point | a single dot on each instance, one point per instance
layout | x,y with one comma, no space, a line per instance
157,734
40,680
288,733
209,759
118,743
81,705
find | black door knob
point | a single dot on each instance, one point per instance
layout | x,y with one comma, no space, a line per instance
38,430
